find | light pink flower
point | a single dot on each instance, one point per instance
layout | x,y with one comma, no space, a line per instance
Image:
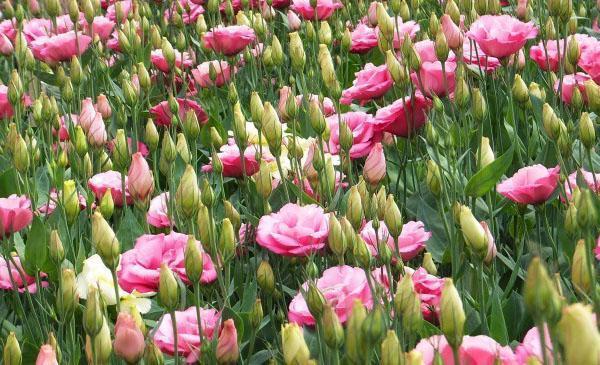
597,249
140,181
473,55
363,39
324,9
341,286
61,47
547,56
375,167
571,183
229,40
364,137
501,35
569,83
227,345
531,347
372,14
15,275
223,71
103,106
411,242
99,183
126,6
158,213
162,113
188,344
403,116
530,185
88,115
403,29
140,266
294,230
6,47
454,35
474,350
15,214
182,60
96,133
294,21
371,83
129,340
431,81
191,11
101,26
46,356
232,162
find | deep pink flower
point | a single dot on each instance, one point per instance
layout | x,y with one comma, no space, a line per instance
324,10
129,340
6,109
15,275
140,266
223,71
60,47
403,116
162,113
99,183
191,11
229,40
474,350
592,183
530,185
501,35
341,286
363,39
364,137
411,242
182,60
547,56
371,83
531,347
188,344
569,83
294,230
232,162
429,288
158,213
431,81
15,214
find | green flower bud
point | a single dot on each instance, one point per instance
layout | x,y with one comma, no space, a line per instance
107,204
315,301
271,128
151,136
227,240
193,260
356,346
428,263
265,277
187,196
21,155
434,178
76,71
374,326
56,249
333,332
105,241
256,315
153,355
541,297
297,55
452,315
67,298
182,148
587,132
168,52
578,334
168,289
479,105
263,181
354,208
93,318
580,273
70,200
391,351
12,350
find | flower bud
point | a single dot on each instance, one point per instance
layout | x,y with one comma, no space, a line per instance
317,120
102,346
391,351
428,263
485,153
193,260
434,178
333,332
550,121
408,305
153,355
336,241
227,240
356,347
384,22
453,11
168,53
168,289
354,208
361,252
580,273
76,71
375,165
587,215
374,326
105,241
541,297
12,351
263,180
67,298
519,90
578,334
294,348
271,128
461,92
265,277
296,49
70,200
187,197
587,132
395,68
56,249
479,105
93,318
452,315
441,47
593,95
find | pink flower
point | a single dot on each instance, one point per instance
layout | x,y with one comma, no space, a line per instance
410,243
326,105
429,288
324,10
341,286
453,34
162,113
15,275
227,345
294,21
53,199
96,133
140,181
364,137
140,266
375,168
99,183
547,56
46,356
531,347
103,106
158,213
126,6
294,230
101,26
432,78
223,71
571,183
188,336
60,47
426,50
363,39
403,29
371,83
474,350
232,161
6,47
229,40
88,115
191,11
182,60
6,109
473,55
530,185
501,35
403,116
15,214
569,83
597,249
129,340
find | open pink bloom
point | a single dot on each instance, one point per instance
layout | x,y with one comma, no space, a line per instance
429,288
474,350
140,266
592,183
371,83
126,6
140,182
454,35
191,11
129,340
162,113
411,242
501,35
403,29
432,78
188,337
15,275
530,185
60,47
99,183
50,206
232,162
341,286
569,83
158,213
227,345
364,137
547,56
6,109
363,39
15,214
101,26
403,116
426,50
182,60
589,61
473,55
294,230
46,356
223,71
531,347
229,40
324,9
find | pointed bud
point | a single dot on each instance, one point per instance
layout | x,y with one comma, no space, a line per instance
294,348
356,347
578,331
452,315
92,315
187,197
541,297
168,289
265,277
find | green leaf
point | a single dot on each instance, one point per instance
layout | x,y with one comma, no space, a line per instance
485,179
8,184
36,249
497,323
129,230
